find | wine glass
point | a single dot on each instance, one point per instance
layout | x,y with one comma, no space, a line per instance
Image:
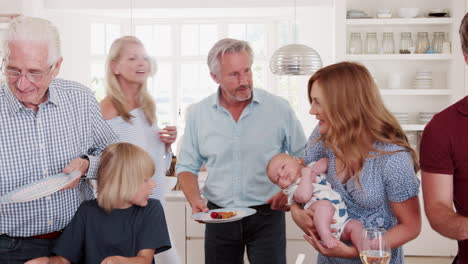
375,248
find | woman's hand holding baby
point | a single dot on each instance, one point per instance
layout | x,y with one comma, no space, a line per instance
341,250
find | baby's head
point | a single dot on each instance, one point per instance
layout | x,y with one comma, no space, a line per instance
124,177
284,169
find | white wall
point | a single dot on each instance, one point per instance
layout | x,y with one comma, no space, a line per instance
9,6
75,37
315,25
316,30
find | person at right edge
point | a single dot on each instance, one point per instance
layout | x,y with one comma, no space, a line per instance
236,131
444,168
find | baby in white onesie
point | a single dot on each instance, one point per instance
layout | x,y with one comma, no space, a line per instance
308,185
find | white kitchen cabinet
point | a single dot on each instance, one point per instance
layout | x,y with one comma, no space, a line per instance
448,71
175,217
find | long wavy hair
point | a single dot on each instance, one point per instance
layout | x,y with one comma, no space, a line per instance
356,112
114,91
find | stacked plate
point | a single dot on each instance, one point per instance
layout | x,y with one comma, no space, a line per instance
425,117
402,117
423,79
355,13
40,188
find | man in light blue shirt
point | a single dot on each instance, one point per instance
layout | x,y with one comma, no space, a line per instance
236,131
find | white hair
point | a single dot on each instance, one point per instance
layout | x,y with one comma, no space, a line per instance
226,45
35,30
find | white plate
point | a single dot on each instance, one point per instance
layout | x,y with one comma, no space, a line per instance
240,213
40,188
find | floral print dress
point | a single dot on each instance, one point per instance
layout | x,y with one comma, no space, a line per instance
384,179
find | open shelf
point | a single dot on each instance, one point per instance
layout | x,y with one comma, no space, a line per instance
400,21
416,91
413,127
375,57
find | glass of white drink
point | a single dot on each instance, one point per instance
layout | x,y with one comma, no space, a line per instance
375,248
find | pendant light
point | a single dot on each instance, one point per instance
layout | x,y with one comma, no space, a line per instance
295,59
131,18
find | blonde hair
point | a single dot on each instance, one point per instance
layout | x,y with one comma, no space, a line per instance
33,29
356,112
123,168
114,91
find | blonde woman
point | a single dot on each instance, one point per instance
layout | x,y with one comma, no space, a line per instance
131,112
371,164
123,225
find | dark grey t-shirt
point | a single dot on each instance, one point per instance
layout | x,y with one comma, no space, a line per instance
93,235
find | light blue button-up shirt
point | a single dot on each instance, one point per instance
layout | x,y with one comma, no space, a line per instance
236,153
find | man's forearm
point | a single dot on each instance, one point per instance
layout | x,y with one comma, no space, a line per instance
189,184
447,222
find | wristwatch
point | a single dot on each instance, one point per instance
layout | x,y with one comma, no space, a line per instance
86,158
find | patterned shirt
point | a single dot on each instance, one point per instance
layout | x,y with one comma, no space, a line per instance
139,132
237,153
384,179
35,145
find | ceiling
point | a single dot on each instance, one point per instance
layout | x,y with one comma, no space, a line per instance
145,4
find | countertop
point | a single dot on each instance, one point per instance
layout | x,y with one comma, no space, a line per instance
178,195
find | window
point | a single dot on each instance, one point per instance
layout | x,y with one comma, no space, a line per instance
181,48
102,36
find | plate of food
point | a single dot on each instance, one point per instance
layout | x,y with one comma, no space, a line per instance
223,215
40,188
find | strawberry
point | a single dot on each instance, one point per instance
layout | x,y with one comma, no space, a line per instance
215,215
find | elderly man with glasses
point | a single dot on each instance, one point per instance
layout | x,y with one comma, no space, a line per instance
48,126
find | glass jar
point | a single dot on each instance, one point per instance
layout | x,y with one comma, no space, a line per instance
422,43
406,43
446,47
388,44
371,45
438,42
355,43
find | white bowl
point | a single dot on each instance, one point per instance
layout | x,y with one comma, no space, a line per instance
408,12
384,15
384,10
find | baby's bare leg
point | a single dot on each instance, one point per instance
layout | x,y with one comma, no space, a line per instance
353,231
324,211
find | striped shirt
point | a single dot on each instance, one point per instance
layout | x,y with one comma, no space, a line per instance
139,132
35,145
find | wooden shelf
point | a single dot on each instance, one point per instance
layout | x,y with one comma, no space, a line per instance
400,21
400,57
416,91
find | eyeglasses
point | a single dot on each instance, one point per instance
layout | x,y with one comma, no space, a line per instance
14,76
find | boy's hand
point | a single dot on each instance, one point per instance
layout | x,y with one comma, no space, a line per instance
43,260
49,260
144,256
113,260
